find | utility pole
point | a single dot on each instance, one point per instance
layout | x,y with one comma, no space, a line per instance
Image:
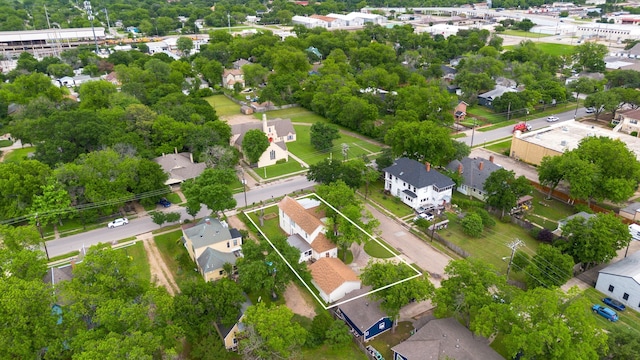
513,246
509,111
87,7
473,132
106,13
229,22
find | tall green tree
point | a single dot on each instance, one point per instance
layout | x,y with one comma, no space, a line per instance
379,274
184,45
254,144
549,267
322,136
52,206
271,333
212,189
504,189
590,57
422,141
469,286
596,240
19,183
544,323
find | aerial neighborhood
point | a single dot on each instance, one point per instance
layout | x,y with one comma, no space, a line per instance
319,180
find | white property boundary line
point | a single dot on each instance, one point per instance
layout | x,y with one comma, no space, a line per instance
320,301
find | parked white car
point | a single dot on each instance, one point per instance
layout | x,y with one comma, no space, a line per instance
118,222
426,216
552,119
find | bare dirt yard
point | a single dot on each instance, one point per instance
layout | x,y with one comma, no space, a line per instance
238,119
160,273
297,301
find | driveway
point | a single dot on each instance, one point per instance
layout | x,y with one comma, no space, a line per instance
410,246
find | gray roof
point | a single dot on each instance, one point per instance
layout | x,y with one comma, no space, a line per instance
211,260
627,267
299,243
471,173
635,50
448,70
363,312
240,63
497,92
416,174
179,166
581,214
631,209
208,231
282,127
57,274
224,330
445,338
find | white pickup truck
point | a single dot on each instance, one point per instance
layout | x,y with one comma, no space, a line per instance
118,222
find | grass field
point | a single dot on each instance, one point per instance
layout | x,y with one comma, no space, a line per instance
350,352
18,155
139,260
492,245
302,147
374,249
627,318
556,49
177,258
5,143
296,114
390,203
223,106
525,34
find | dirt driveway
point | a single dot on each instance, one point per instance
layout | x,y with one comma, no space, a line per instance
160,273
298,302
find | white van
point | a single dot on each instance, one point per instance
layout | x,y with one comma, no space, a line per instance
634,230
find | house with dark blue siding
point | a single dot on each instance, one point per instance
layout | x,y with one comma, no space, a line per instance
364,316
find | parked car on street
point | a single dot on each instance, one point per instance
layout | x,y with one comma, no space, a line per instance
426,216
522,127
164,202
605,312
118,222
614,304
552,119
590,110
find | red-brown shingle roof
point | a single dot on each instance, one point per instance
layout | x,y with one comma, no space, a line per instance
330,273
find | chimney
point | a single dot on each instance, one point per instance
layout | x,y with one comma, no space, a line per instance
481,165
460,169
427,166
191,157
491,158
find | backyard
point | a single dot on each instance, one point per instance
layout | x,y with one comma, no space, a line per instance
18,155
223,106
139,260
385,341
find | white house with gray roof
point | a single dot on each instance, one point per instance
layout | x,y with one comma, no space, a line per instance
417,184
474,173
621,281
211,244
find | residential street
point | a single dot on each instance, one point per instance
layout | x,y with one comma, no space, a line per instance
144,224
480,137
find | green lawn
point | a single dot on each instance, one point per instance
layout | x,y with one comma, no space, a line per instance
296,114
555,209
5,143
374,249
390,203
350,352
302,147
139,259
268,172
556,49
174,198
492,245
524,34
500,147
177,258
627,318
483,115
18,155
498,125
385,341
223,105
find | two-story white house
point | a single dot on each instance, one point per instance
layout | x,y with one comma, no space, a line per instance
301,221
417,184
211,244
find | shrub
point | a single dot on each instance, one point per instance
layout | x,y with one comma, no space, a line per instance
506,219
466,204
472,225
583,207
281,161
487,219
545,236
520,260
534,232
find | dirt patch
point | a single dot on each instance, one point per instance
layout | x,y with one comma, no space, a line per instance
236,223
297,302
238,119
160,273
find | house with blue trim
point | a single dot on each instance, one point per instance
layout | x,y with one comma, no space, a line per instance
363,315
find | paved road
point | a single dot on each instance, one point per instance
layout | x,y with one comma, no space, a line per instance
480,137
144,224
